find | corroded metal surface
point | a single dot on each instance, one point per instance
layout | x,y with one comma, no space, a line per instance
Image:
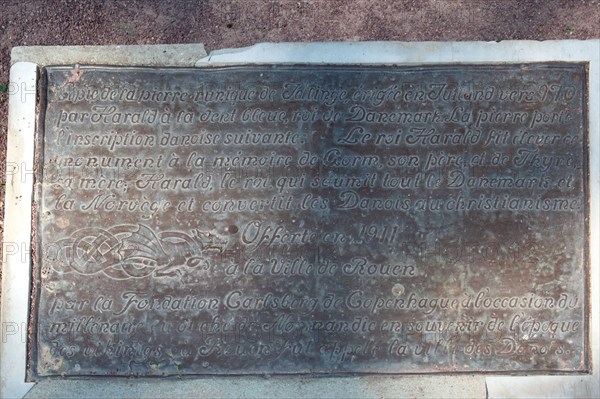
311,220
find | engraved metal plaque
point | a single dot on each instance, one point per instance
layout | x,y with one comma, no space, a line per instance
302,219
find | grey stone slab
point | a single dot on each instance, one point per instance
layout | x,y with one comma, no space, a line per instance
459,387
17,232
405,53
156,55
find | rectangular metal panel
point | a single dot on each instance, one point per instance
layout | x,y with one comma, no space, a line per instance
302,219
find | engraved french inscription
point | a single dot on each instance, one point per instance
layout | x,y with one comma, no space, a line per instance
304,219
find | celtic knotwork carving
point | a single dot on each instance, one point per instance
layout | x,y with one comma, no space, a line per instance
133,251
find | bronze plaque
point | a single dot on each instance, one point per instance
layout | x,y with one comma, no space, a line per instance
311,219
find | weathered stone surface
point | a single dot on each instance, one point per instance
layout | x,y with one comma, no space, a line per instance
312,220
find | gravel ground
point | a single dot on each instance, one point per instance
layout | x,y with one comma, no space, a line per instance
238,23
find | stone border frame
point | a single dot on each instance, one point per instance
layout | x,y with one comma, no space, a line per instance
19,190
